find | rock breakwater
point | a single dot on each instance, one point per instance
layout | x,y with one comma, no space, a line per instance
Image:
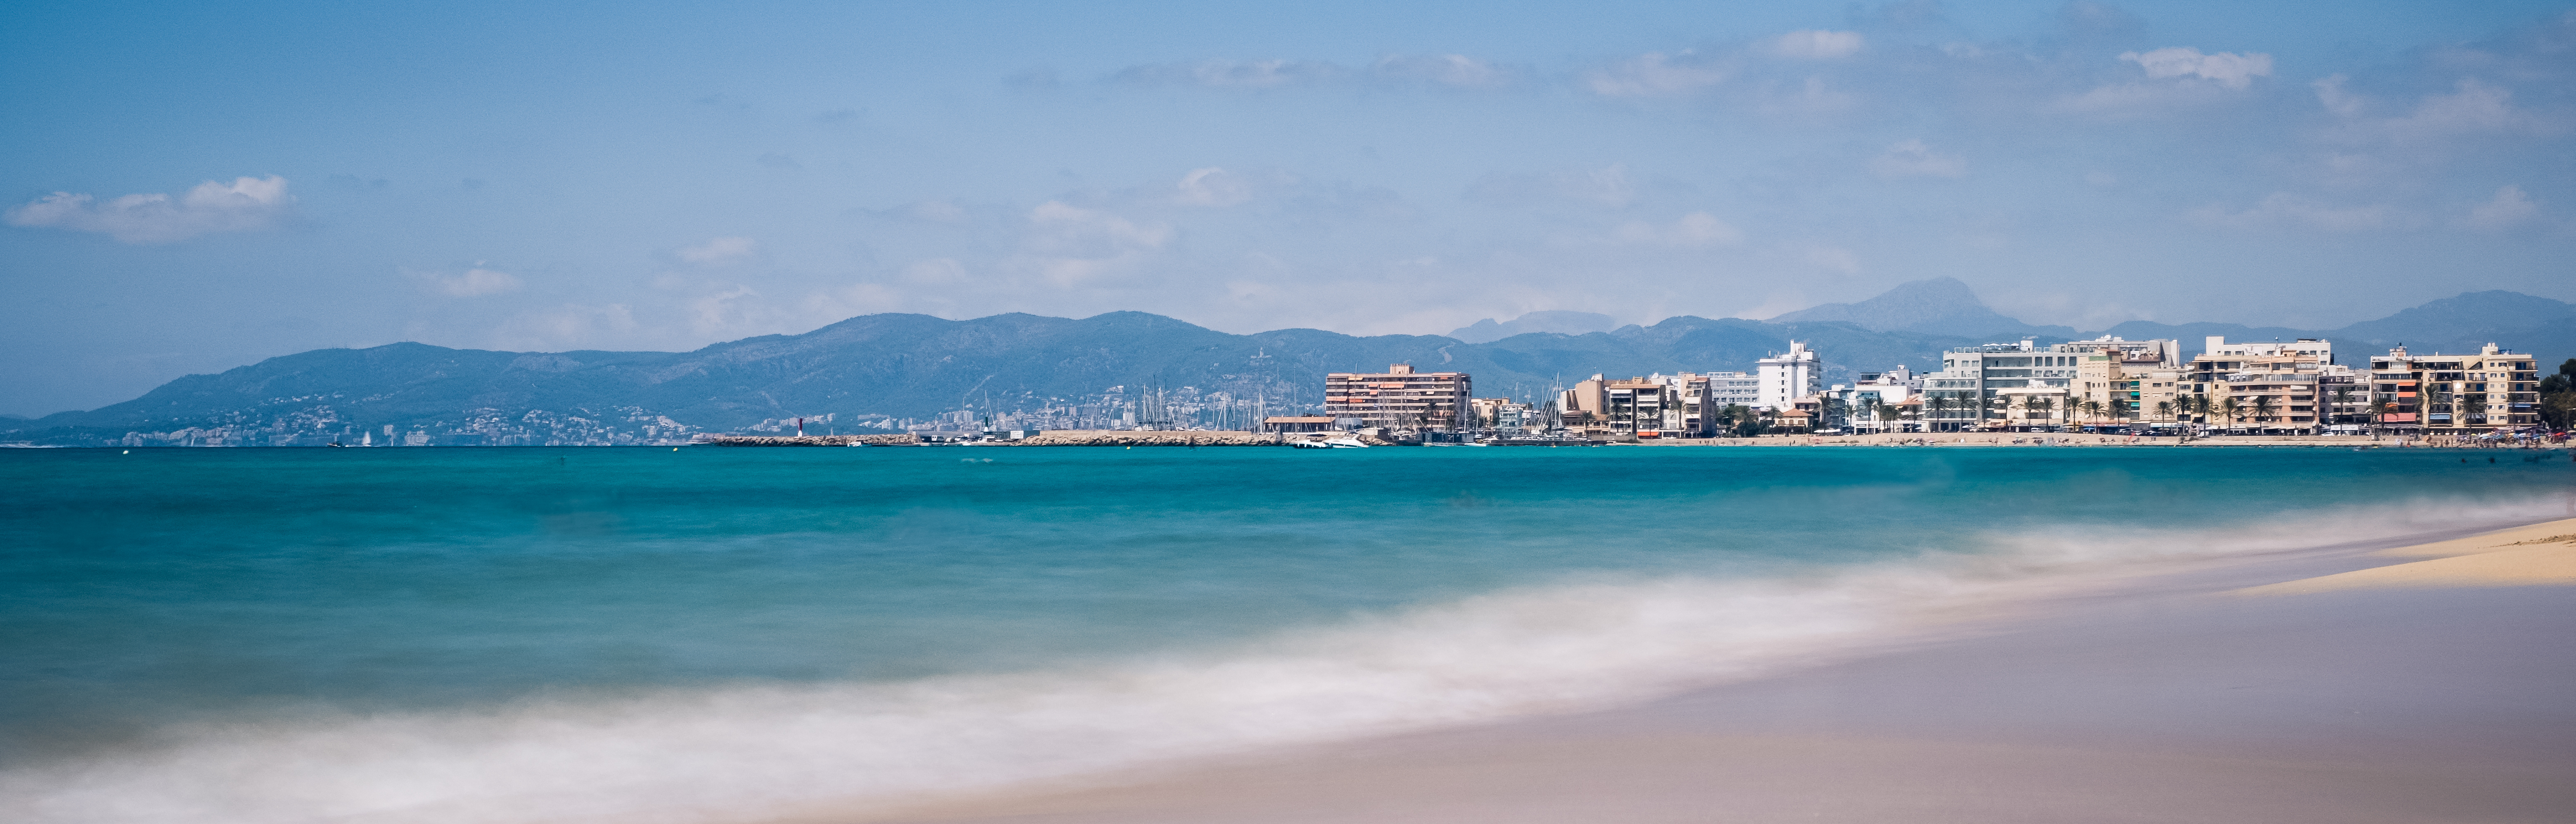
808,440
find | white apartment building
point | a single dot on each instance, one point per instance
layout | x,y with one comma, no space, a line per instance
1735,389
1790,375
1870,405
2022,386
2216,346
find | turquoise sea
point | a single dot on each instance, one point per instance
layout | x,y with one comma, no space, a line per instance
649,634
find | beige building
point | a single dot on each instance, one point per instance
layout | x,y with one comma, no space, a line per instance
2455,394
1650,406
2126,387
1400,398
1991,386
2260,388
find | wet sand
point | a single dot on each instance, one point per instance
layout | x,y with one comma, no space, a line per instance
2174,700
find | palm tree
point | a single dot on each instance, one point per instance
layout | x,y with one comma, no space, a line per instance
2262,411
2474,405
2165,410
2342,396
2436,397
2232,410
2092,409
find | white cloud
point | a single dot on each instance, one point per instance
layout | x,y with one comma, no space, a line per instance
1828,257
1211,186
1233,74
935,272
571,326
246,204
723,251
1453,70
1605,186
936,211
475,282
2282,209
2331,94
2508,209
2229,69
1696,229
1817,44
1074,245
1448,70
2473,108
1911,158
1655,75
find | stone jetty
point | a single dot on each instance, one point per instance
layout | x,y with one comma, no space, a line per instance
808,440
1053,437
1106,437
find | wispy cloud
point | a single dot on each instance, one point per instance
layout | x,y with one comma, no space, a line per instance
722,251
2286,210
473,282
1232,74
1656,74
1447,70
1817,44
2508,209
1211,186
1911,158
246,204
1697,229
2230,69
1606,186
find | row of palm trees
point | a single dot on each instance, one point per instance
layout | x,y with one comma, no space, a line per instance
2261,408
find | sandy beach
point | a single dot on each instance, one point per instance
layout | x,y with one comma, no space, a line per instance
2401,681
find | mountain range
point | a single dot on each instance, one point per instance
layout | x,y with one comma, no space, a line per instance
917,366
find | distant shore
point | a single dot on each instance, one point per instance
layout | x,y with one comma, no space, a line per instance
2351,690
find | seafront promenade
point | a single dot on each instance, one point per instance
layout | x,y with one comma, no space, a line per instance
1108,437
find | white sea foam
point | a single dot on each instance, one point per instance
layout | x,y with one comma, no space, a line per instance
750,753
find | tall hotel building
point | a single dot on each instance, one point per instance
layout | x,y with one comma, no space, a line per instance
1788,376
1400,398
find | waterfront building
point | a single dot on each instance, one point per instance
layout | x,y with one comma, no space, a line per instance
1588,399
1637,406
1297,423
1970,391
2345,394
1400,398
2316,348
1787,376
2273,386
2124,381
2456,394
1877,403
1735,389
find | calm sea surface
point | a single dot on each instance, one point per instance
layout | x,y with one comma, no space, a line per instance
158,588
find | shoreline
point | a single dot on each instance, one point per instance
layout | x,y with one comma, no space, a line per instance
2170,691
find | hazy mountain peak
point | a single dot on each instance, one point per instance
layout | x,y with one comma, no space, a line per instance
1936,305
2466,315
1557,321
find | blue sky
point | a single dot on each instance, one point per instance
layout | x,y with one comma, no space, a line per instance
192,188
